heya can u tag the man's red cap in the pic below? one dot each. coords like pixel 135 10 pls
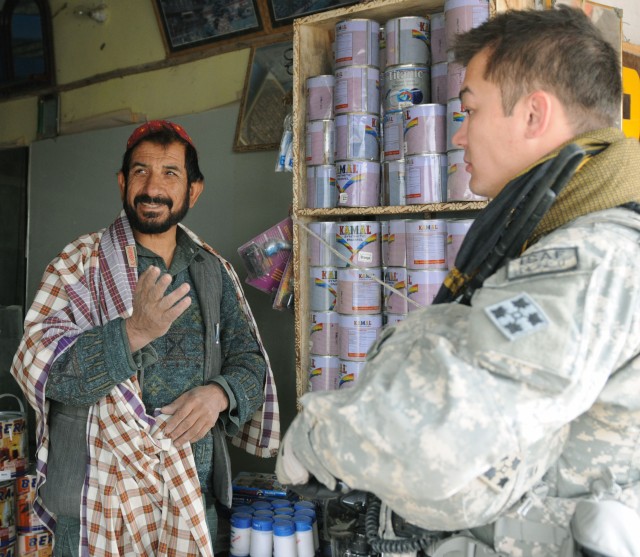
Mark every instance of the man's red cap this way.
pixel 154 126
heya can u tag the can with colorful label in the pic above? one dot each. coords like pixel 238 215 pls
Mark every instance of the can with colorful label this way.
pixel 320 254
pixel 423 286
pixel 321 186
pixel 323 288
pixel 7 513
pixel 458 188
pixel 456 231
pixel 439 92
pixel 397 243
pixel 358 183
pixel 320 142
pixel 324 372
pixel 357 90
pixel 357 335
pixel 356 43
pixel 395 300
pixel 461 16
pixel 393 135
pixel 359 242
pixel 35 544
pixel 320 97
pixel 455 77
pixel 425 129
pixel 426 244
pixel 407 40
pixel 323 335
pixel 349 373
pixel 26 518
pixel 357 136
pixel 426 178
pixel 405 86
pixel 13 441
pixel 359 291
pixel 455 119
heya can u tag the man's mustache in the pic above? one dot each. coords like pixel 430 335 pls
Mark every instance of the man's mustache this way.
pixel 143 198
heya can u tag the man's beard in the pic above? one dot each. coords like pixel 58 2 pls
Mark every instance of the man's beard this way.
pixel 153 225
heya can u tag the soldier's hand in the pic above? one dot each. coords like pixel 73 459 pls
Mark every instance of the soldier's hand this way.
pixel 194 413
pixel 153 311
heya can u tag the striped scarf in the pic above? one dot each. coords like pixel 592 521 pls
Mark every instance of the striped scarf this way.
pixel 141 493
pixel 594 171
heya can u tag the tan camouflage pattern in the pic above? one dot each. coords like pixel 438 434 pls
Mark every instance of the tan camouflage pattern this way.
pixel 479 419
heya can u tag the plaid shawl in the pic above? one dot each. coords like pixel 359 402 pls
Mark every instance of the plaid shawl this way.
pixel 141 494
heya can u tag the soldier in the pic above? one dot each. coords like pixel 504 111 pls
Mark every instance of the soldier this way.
pixel 512 415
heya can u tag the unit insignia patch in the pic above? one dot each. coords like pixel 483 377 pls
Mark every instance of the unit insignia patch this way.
pixel 497 477
pixel 554 260
pixel 517 316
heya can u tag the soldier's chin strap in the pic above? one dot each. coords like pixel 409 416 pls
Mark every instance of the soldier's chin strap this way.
pixel 501 230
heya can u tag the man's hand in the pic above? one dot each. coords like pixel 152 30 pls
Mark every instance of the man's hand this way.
pixel 194 413
pixel 153 312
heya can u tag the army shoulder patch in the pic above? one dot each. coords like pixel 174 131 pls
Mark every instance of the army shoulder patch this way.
pixel 555 260
pixel 517 316
pixel 497 477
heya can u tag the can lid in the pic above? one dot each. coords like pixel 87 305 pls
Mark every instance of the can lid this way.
pixel 284 510
pixel 262 523
pixel 263 512
pixel 241 520
pixel 261 505
pixel 281 516
pixel 306 512
pixel 303 523
pixel 243 509
pixel 280 503
pixel 283 528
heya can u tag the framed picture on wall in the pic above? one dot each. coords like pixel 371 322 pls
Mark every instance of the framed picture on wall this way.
pixel 283 12
pixel 190 24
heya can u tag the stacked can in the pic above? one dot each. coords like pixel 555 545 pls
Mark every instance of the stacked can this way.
pixel 406 85
pixel 459 16
pixel 323 299
pixel 357 112
pixel 456 231
pixel 359 306
pixel 320 142
pixel 34 540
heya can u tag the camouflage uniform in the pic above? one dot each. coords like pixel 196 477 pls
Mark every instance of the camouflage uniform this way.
pixel 507 411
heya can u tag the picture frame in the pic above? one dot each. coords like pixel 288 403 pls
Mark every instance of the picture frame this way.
pixel 266 98
pixel 283 12
pixel 210 22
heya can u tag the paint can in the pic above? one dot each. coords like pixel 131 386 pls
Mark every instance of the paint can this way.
pixel 7 513
pixel 426 178
pixel 456 231
pixel 359 242
pixel 9 550
pixel 425 129
pixel 356 43
pixel 426 244
pixel 356 90
pixel 396 278
pixel 321 186
pixel 320 142
pixel 319 253
pixel 26 518
pixel 455 118
pixel 458 178
pixel 394 189
pixel 323 284
pixel 13 441
pixel 382 50
pixel 397 243
pixel 462 15
pixel 320 97
pixel 359 291
pixel 358 183
pixel 323 373
pixel 455 77
pixel 391 319
pixel 35 544
pixel 357 137
pixel 323 334
pixel 357 334
pixel 349 373
pixel 407 40
pixel 405 86
pixel 438 38
pixel 393 135
pixel 423 286
pixel 384 239
pixel 439 83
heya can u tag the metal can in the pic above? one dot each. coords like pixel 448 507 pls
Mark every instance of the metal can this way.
pixel 359 291
pixel 320 142
pixel 356 43
pixel 323 373
pixel 356 90
pixel 349 373
pixel 357 335
pixel 7 513
pixel 439 92
pixel 456 231
pixel 323 336
pixel 458 178
pixel 426 243
pixel 407 40
pixel 320 97
pixel 321 186
pixel 358 183
pixel 394 300
pixel 393 135
pixel 425 129
pixel 397 243
pixel 455 118
pixel 319 253
pixel 357 136
pixel 423 286
pixel 438 39
pixel 426 178
pixel 455 77
pixel 394 188
pixel 13 441
pixel 461 16
pixel 359 242
pixel 405 86
pixel 323 288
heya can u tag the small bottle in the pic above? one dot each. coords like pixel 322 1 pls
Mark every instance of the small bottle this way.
pixel 240 534
pixel 304 536
pixel 261 536
pixel 312 515
pixel 284 538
